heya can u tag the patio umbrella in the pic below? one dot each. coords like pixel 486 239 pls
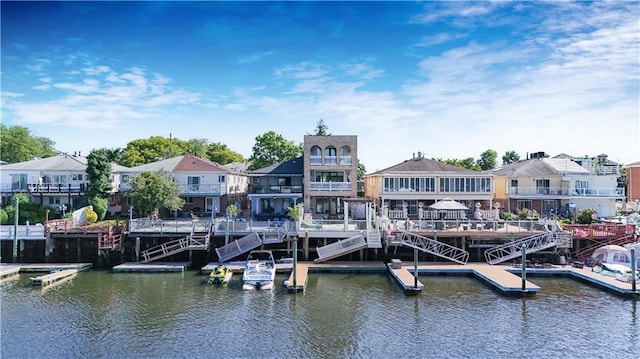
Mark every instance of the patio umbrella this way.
pixel 448 204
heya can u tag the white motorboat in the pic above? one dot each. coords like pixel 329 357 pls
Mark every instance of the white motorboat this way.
pixel 259 271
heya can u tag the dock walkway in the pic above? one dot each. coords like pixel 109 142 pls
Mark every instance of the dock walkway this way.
pixel 405 279
pixel 300 282
pixel 55 277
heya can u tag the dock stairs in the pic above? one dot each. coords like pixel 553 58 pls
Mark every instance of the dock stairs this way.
pixel 535 243
pixel 191 242
pixel 432 246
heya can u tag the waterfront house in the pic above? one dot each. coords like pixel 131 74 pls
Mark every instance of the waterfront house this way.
pixel 275 188
pixel 407 189
pixel 59 181
pixel 330 174
pixel 559 185
pixel 206 186
pixel 633 182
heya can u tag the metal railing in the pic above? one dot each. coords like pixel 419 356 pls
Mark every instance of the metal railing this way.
pixel 513 249
pixel 238 247
pixel 340 248
pixel 432 246
pixel 330 186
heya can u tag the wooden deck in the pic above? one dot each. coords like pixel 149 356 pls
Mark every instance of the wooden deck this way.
pixel 156 267
pixel 55 277
pixel 300 282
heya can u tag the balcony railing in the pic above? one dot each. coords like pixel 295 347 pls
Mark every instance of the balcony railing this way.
pixel 345 161
pixel 315 160
pixel 560 191
pixel 277 189
pixel 48 188
pixel 213 189
pixel 330 186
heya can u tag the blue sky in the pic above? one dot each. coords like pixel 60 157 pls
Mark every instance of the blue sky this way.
pixel 449 79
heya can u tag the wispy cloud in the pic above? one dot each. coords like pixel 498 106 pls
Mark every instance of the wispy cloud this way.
pixel 100 97
pixel 255 57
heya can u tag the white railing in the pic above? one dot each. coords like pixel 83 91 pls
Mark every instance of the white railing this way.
pixel 330 186
pixel 315 160
pixel 24 232
pixel 598 192
pixel 330 160
pixel 432 246
pixel 340 248
pixel 214 188
pixel 538 191
pixel 513 250
pixel 345 161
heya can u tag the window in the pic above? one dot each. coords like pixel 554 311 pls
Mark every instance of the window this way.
pixel 522 204
pixel 221 178
pixel 19 181
pixel 542 186
pixel 329 177
pixel 193 183
pixel 188 200
pixel 315 151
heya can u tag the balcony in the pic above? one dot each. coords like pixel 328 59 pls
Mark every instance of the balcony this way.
pixel 345 161
pixel 330 186
pixel 554 192
pixel 277 189
pixel 315 160
pixel 47 188
pixel 187 189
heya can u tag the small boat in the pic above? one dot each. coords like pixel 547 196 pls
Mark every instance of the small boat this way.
pixel 220 275
pixel 259 271
pixel 618 271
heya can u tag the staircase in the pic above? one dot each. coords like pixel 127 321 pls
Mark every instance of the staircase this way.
pixel 513 249
pixel 192 242
pixel 432 246
pixel 238 247
pixel 373 238
pixel 340 248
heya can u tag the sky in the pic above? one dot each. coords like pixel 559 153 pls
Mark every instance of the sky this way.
pixel 448 79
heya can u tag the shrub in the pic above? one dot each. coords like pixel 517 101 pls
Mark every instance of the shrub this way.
pixel 585 216
pixel 4 217
pixel 507 216
pixel 91 216
pixel 100 206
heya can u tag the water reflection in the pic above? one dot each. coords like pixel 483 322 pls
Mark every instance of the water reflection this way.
pixel 339 316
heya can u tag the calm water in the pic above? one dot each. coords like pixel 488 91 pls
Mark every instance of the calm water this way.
pixel 107 315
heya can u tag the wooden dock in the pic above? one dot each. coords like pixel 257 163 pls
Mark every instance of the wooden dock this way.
pixel 405 279
pixel 49 267
pixel 151 267
pixel 300 282
pixel 55 277
pixel 7 271
pixel 499 277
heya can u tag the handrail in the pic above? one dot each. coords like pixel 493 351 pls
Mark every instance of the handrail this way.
pixel 513 249
pixel 432 246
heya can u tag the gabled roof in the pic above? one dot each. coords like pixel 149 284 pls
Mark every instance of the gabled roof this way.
pixel 294 167
pixel 634 164
pixel 186 163
pixel 540 167
pixel 237 167
pixel 63 162
pixel 424 165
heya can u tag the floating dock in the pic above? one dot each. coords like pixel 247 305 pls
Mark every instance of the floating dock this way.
pixel 499 277
pixel 405 279
pixel 300 282
pixel 151 267
pixel 49 267
pixel 55 277
pixel 7 271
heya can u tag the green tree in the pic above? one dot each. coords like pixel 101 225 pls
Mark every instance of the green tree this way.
pixel 468 163
pixel 28 211
pixel 4 217
pixel 18 145
pixel 198 147
pixel 272 148
pixel 510 157
pixel 220 153
pixel 321 129
pixel 150 191
pixel 585 216
pixel 155 148
pixel 100 206
pixel 361 170
pixel 99 171
pixel 488 160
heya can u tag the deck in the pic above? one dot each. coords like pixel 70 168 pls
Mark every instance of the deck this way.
pixel 156 267
pixel 55 277
pixel 405 279
pixel 298 284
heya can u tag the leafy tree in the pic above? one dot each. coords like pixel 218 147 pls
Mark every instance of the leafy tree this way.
pixel 143 151
pixel 4 217
pixel 18 145
pixel 99 171
pixel 585 216
pixel 272 148
pixel 100 206
pixel 198 147
pixel 510 157
pixel 220 153
pixel 321 129
pixel 361 170
pixel 487 159
pixel 468 163
pixel 150 191
pixel 28 211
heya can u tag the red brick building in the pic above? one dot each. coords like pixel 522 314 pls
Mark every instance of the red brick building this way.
pixel 633 182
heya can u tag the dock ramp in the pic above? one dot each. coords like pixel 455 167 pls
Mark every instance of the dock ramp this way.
pixel 340 248
pixel 194 242
pixel 238 247
pixel 513 250
pixel 432 246
pixel 273 236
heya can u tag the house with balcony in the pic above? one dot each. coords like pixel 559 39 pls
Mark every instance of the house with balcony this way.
pixel 273 189
pixel 206 186
pixel 330 174
pixel 407 189
pixel 558 185
pixel 59 181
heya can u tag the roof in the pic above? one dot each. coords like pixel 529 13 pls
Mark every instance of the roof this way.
pixel 237 167
pixel 62 162
pixel 540 167
pixel 422 164
pixel 291 167
pixel 185 163
pixel 634 164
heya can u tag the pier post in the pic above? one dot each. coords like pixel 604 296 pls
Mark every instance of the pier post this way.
pixel 634 269
pixel 524 267
pixel 295 263
pixel 415 267
pixel 305 245
pixel 16 212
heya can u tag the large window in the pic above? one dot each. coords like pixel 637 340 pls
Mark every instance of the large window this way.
pixel 465 184
pixel 409 184
pixel 193 183
pixel 522 204
pixel 19 181
pixel 328 205
pixel 329 177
